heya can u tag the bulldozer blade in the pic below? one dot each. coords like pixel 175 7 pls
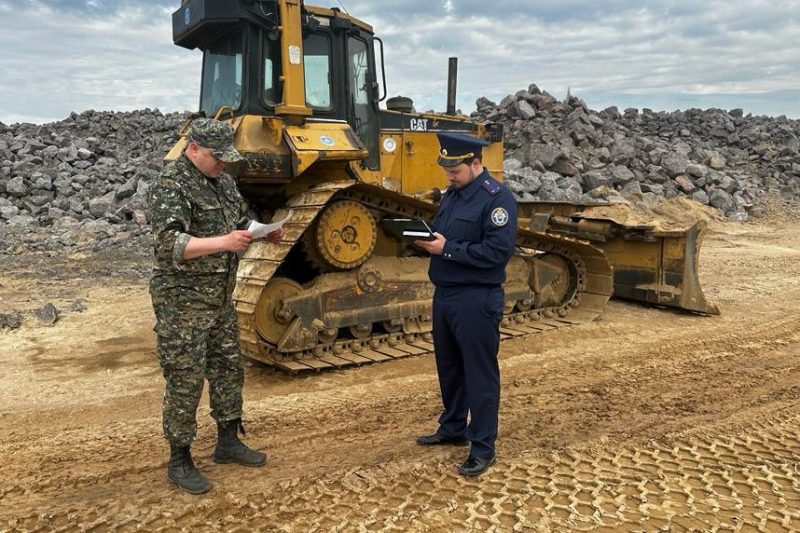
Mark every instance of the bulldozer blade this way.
pixel 659 268
pixel 654 257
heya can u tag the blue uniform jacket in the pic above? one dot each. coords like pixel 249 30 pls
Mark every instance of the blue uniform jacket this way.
pixel 479 223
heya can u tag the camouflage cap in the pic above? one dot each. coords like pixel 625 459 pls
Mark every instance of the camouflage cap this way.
pixel 216 135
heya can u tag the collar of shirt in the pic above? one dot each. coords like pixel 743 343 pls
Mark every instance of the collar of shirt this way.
pixel 195 175
pixel 466 193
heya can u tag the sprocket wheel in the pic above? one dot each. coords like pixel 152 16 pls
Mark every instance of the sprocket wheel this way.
pixel 343 237
pixel 272 316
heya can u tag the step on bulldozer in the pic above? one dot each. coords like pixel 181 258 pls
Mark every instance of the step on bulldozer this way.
pixel 300 86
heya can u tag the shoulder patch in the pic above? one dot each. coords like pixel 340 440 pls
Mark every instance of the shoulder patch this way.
pixel 491 186
pixel 499 217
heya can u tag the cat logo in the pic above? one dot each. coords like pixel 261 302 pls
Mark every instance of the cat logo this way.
pixel 419 124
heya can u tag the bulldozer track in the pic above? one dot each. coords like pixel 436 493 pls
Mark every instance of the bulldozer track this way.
pixel 593 285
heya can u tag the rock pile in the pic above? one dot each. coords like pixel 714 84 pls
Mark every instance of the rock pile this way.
pixel 564 151
pixel 85 178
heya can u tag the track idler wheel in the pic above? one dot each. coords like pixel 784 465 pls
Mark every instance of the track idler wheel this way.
pixel 342 238
pixel 272 314
pixel 551 280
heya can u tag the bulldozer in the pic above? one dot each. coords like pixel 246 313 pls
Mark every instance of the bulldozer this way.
pixel 302 88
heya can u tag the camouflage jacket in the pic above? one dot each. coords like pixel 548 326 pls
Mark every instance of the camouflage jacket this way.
pixel 184 203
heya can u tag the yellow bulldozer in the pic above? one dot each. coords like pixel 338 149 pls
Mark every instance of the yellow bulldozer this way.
pixel 300 86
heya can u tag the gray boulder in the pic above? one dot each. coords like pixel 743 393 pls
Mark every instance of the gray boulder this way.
pixel 22 220
pixel 126 189
pixel 66 222
pixel 46 315
pixel 525 110
pixel 511 166
pixel 716 161
pixel 564 167
pixel 16 186
pixel 622 152
pixel 620 175
pixel 548 184
pixel 546 154
pixel 655 188
pixel 698 171
pixel 700 196
pixel 674 164
pixel 8 212
pixel 531 183
pixel 514 186
pixel 85 154
pixel 594 179
pixel 573 192
pixel 728 184
pixel 100 206
pixel 722 200
pixel 630 188
pixel 10 320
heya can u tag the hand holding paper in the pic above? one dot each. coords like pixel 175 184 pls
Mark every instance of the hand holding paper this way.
pixel 260 231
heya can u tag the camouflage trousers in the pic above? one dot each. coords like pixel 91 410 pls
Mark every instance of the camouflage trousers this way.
pixel 195 345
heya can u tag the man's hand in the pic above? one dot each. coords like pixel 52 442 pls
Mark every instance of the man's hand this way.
pixel 434 247
pixel 238 240
pixel 276 236
pixel 235 241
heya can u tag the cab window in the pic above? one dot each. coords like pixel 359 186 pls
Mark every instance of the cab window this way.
pixel 222 74
pixel 364 114
pixel 317 67
pixel 271 89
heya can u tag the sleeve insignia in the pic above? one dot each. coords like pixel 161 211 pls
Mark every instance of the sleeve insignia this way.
pixel 499 217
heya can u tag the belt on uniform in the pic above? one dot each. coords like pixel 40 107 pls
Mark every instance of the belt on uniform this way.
pixel 456 288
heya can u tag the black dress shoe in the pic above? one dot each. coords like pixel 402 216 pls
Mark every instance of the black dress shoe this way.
pixel 475 466
pixel 438 440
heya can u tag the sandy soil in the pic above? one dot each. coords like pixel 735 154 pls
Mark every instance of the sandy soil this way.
pixel 644 420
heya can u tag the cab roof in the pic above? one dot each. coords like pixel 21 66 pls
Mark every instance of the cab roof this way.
pixel 333 12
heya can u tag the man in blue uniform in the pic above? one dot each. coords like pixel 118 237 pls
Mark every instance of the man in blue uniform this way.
pixel 475 231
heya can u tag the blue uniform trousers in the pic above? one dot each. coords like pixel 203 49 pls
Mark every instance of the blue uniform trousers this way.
pixel 466 337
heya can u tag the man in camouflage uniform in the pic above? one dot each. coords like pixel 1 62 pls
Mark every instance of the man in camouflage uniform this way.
pixel 196 212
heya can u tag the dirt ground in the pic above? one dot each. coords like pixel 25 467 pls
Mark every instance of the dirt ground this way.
pixel 644 420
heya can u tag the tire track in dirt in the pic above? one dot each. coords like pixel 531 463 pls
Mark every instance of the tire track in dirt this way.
pixel 748 480
pixel 407 511
pixel 644 420
pixel 340 415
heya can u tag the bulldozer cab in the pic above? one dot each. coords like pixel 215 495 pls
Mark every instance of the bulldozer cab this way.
pixel 320 66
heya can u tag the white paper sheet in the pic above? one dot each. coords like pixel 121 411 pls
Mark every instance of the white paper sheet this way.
pixel 260 230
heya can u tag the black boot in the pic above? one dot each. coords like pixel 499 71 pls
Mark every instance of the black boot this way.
pixel 182 472
pixel 231 450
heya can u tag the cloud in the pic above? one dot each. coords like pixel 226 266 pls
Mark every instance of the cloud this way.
pixel 670 50
pixel 65 55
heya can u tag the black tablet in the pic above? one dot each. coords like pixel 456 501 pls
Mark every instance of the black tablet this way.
pixel 408 229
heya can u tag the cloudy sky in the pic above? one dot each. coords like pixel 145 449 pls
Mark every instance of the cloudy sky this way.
pixel 60 56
